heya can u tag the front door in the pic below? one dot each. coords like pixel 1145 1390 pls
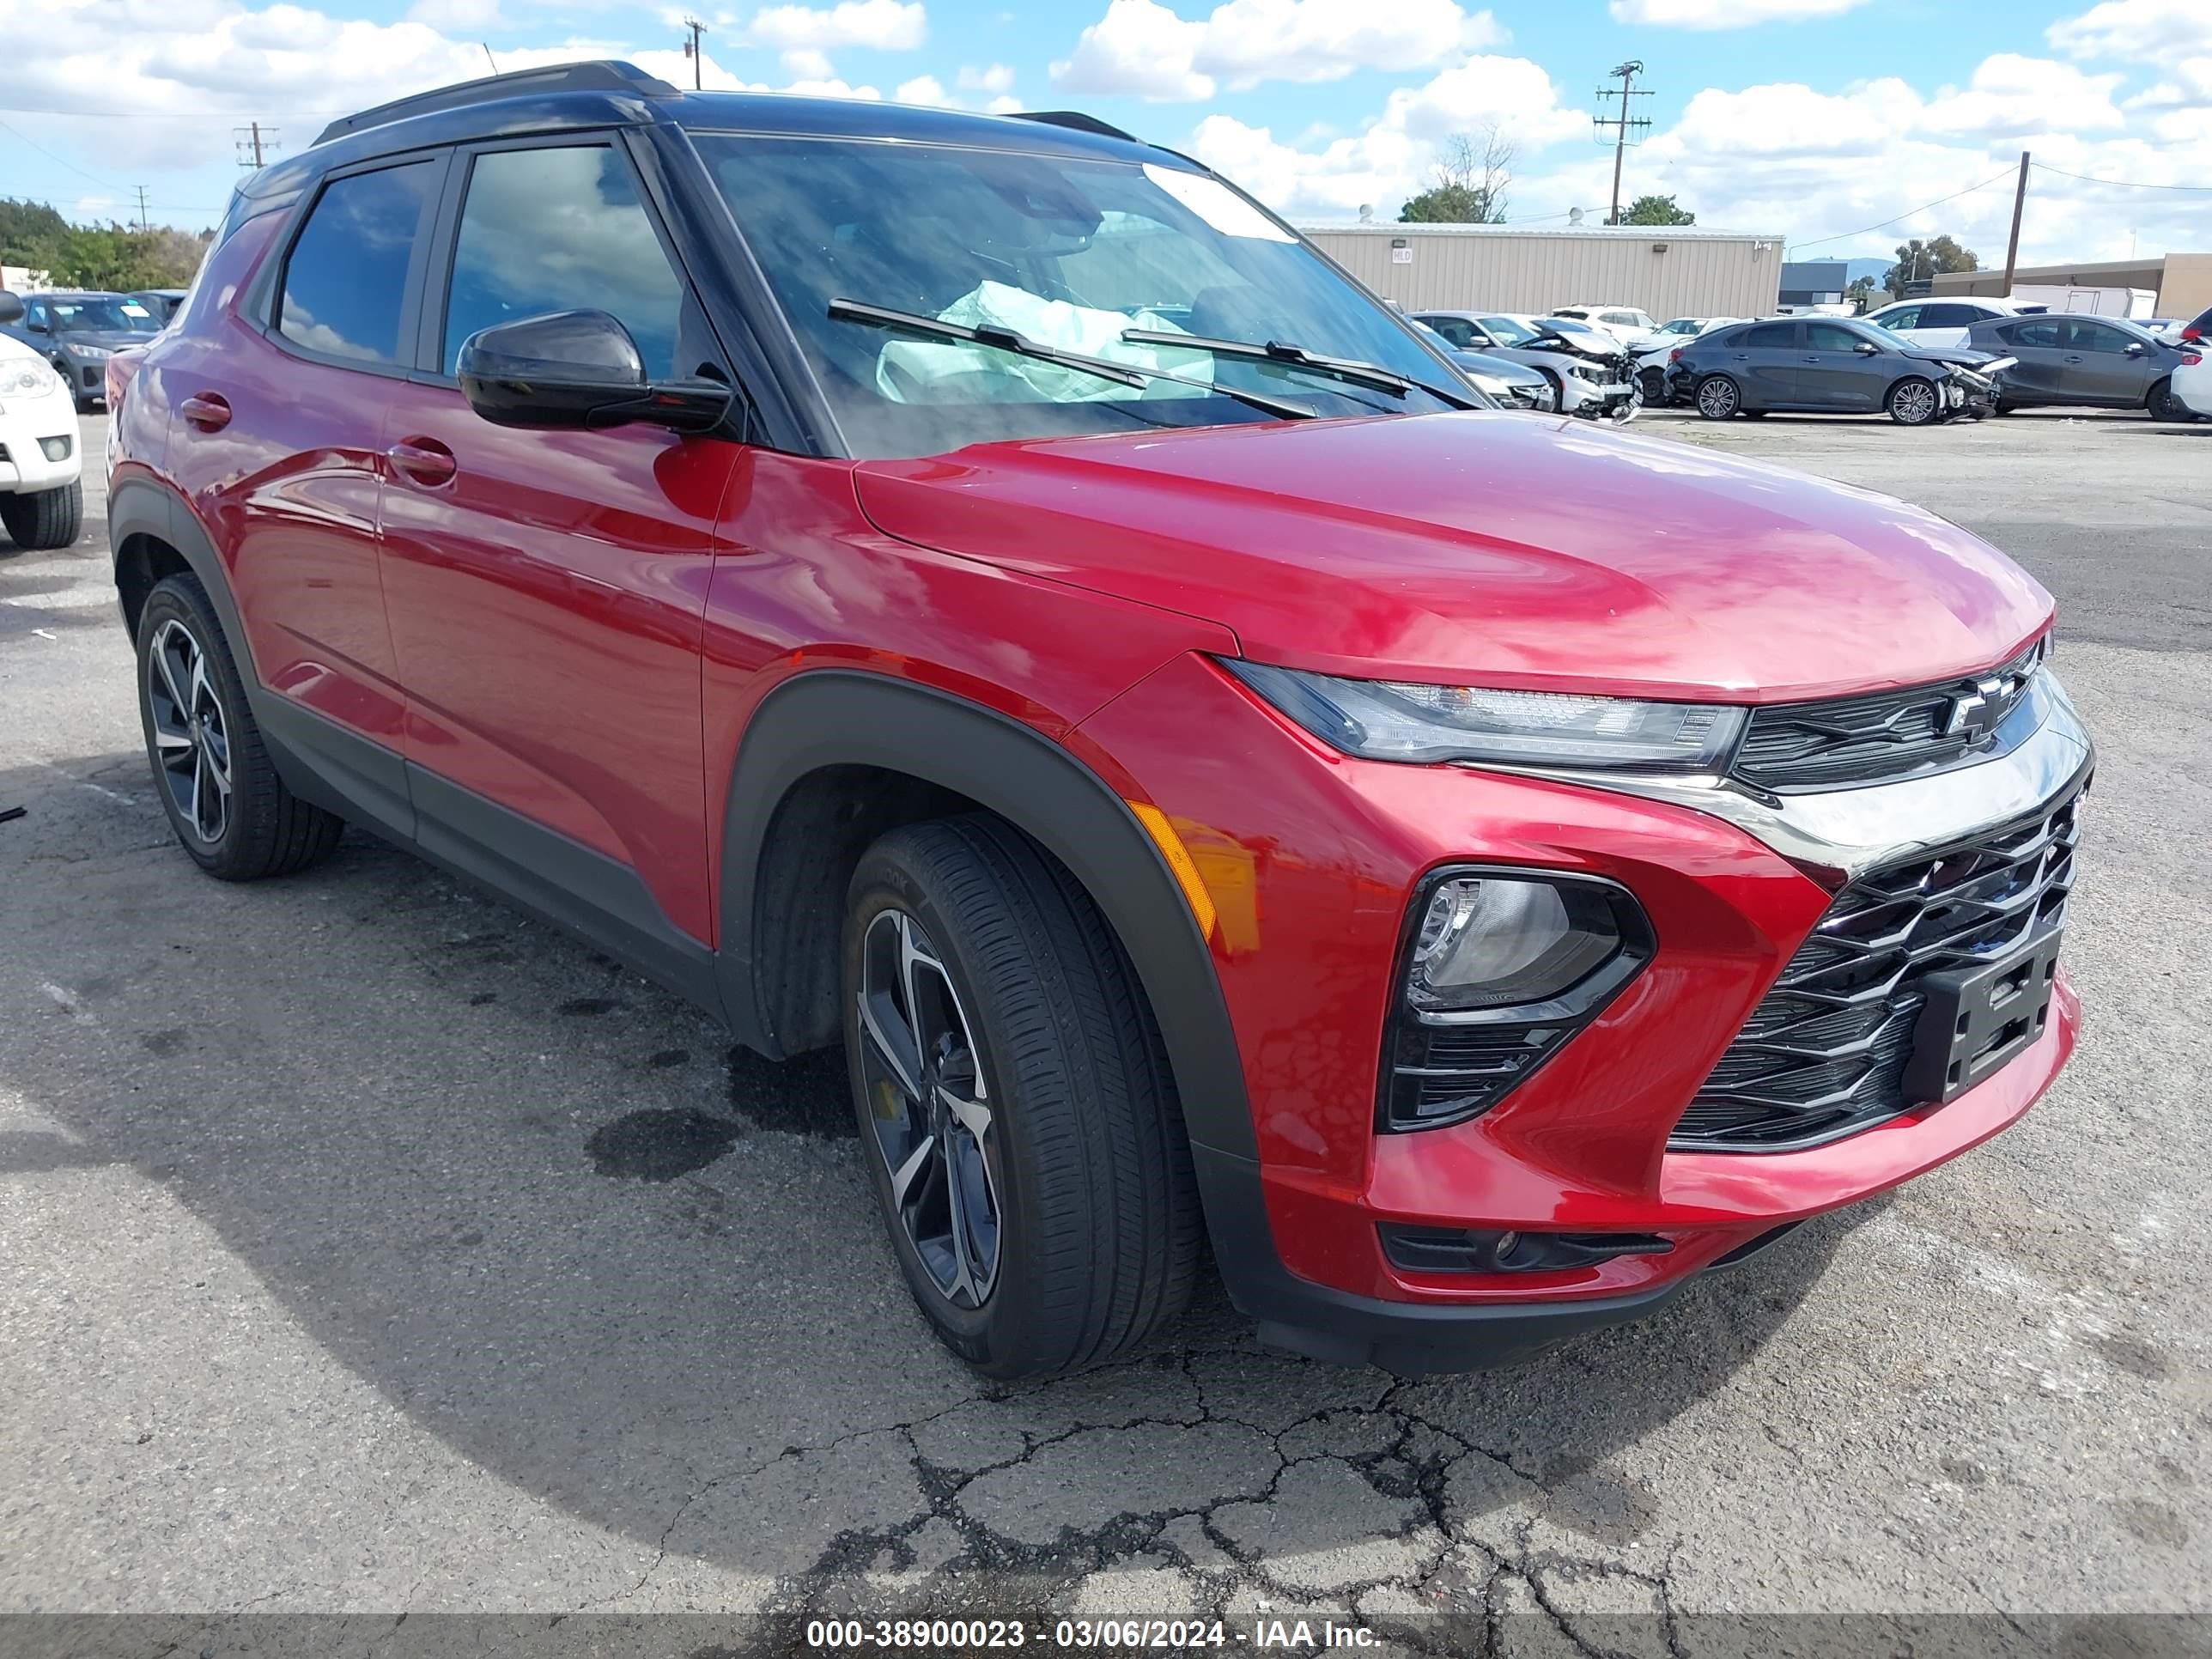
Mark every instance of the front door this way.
pixel 546 589
pixel 2100 367
pixel 1832 372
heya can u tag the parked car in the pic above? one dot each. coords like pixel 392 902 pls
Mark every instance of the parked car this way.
pixel 1830 365
pixel 1587 372
pixel 2196 330
pixel 2161 328
pixel 2192 384
pixel 1651 359
pixel 160 302
pixel 41 501
pixel 706 520
pixel 1509 384
pixel 2083 362
pixel 74 332
pixel 1633 328
pixel 1938 322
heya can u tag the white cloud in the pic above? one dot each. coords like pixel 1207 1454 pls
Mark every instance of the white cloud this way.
pixel 2150 30
pixel 993 77
pixel 807 63
pixel 1393 155
pixel 1141 49
pixel 923 89
pixel 2010 95
pixel 1723 14
pixel 884 25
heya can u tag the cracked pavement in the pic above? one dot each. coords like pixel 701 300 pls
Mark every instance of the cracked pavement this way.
pixel 366 1248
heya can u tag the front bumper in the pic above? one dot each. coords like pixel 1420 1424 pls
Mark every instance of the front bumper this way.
pixel 25 436
pixel 1309 877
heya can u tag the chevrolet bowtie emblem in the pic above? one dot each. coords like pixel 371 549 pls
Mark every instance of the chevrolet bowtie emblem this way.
pixel 1975 714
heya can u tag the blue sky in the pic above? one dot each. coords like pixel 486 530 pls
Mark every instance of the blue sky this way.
pixel 1804 118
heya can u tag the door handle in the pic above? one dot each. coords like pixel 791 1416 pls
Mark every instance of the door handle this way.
pixel 424 461
pixel 2074 359
pixel 204 411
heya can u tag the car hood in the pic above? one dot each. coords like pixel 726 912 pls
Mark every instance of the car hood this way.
pixel 1488 547
pixel 1962 356
pixel 107 339
pixel 1482 362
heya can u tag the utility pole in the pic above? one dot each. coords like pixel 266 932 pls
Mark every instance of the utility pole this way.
pixel 141 209
pixel 691 48
pixel 2019 202
pixel 1622 125
pixel 254 142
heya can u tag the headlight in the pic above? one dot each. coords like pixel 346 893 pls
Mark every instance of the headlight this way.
pixel 1587 372
pixel 1491 385
pixel 27 378
pixel 1395 720
pixel 92 352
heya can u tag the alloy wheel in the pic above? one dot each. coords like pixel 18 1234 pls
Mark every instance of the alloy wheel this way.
pixel 1717 399
pixel 1914 403
pixel 190 740
pixel 930 1109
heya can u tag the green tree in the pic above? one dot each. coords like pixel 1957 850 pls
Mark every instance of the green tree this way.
pixel 30 231
pixel 1861 291
pixel 1916 261
pixel 1469 184
pixel 1656 211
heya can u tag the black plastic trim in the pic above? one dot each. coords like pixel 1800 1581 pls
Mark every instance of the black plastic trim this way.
pixel 839 717
pixel 606 74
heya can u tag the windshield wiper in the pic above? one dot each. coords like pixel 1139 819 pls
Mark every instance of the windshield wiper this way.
pixel 1350 369
pixel 1001 338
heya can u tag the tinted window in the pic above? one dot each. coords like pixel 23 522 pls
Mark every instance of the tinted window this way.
pixel 2038 332
pixel 561 229
pixel 1904 316
pixel 1455 329
pixel 1767 337
pixel 346 282
pixel 1831 337
pixel 2083 335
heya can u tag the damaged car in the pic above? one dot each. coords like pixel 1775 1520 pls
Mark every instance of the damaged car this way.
pixel 1831 366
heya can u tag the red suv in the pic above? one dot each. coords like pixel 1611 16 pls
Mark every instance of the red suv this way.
pixel 984 591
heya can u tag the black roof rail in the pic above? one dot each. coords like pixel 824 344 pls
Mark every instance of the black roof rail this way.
pixel 605 74
pixel 1075 120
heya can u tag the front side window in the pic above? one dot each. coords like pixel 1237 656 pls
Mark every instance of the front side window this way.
pixel 1831 337
pixel 1072 251
pixel 561 228
pixel 2083 335
pixel 345 284
pixel 1458 330
pixel 1508 333
pixel 1902 317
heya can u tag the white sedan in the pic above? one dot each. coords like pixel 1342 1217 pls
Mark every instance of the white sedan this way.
pixel 41 501
pixel 2192 383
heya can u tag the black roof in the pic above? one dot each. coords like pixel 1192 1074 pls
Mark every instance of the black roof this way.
pixel 609 92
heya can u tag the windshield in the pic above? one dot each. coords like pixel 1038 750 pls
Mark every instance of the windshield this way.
pixel 1071 252
pixel 1506 331
pixel 86 313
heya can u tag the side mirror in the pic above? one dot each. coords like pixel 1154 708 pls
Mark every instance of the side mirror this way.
pixel 1867 348
pixel 11 309
pixel 2137 347
pixel 572 370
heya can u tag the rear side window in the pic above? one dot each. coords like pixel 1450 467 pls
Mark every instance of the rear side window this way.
pixel 2042 332
pixel 1949 316
pixel 561 228
pixel 345 284
pixel 1767 337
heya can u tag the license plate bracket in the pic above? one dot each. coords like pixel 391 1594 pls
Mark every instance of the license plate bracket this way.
pixel 1976 1020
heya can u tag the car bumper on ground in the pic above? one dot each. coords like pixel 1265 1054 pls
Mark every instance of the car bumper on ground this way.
pixel 1309 920
pixel 39 455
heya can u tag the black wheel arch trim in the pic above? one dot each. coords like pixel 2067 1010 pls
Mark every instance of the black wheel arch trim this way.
pixel 830 717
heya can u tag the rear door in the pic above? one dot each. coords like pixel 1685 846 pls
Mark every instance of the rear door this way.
pixel 278 441
pixel 1945 323
pixel 2038 343
pixel 2099 367
pixel 1763 358
pixel 546 589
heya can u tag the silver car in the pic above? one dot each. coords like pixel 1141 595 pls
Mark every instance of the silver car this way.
pixel 1590 372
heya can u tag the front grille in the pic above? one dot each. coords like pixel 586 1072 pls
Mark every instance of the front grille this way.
pixel 1824 1053
pixel 1883 735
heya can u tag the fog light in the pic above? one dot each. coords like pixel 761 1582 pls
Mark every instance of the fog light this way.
pixel 57 449
pixel 1488 941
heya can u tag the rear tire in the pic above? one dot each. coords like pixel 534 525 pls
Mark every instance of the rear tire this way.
pixel 1014 1101
pixel 1718 398
pixel 214 775
pixel 1914 402
pixel 2165 406
pixel 45 518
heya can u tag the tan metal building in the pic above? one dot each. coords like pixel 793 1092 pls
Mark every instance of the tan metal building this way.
pixel 2182 282
pixel 1662 270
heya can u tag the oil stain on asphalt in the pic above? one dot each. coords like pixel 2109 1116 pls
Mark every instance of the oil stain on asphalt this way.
pixel 660 1144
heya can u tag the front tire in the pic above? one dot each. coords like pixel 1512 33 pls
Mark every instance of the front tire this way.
pixel 1718 398
pixel 216 780
pixel 1014 1102
pixel 1914 402
pixel 45 518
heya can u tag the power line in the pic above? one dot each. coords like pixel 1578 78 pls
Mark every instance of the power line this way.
pixel 2124 184
pixel 159 114
pixel 1821 241
pixel 105 184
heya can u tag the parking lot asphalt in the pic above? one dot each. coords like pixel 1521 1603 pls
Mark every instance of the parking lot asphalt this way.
pixel 365 1247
